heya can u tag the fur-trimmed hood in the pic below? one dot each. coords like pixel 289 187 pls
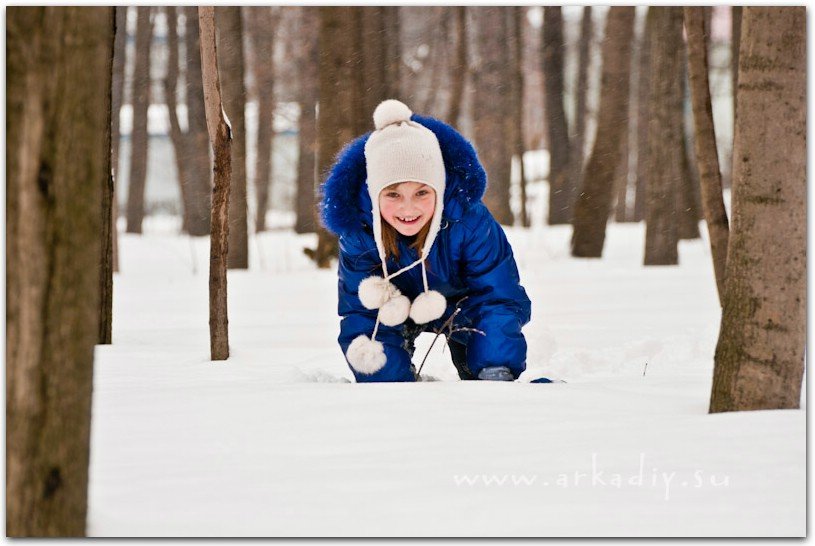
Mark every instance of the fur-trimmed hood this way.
pixel 345 204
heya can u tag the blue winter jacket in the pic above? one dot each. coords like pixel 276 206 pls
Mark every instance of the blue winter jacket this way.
pixel 471 257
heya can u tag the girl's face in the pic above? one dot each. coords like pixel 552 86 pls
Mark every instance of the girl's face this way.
pixel 407 206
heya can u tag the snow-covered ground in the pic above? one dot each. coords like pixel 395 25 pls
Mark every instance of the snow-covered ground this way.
pixel 278 440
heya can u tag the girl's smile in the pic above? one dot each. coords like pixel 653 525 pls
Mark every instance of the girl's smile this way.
pixel 407 206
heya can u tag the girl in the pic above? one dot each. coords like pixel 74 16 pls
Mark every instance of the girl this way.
pixel 417 247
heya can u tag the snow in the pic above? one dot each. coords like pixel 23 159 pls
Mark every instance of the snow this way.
pixel 278 440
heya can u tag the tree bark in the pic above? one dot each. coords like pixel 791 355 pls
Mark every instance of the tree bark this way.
pixel 117 98
pixel 107 229
pixel 561 189
pixel 177 137
pixel 393 58
pixel 576 148
pixel 197 140
pixel 664 138
pixel 460 69
pixel 491 110
pixel 593 204
pixel 138 134
pixel 688 201
pixel 220 135
pixel 706 153
pixel 517 16
pixel 231 64
pixel 58 160
pixel 309 59
pixel 262 23
pixel 759 361
pixel 643 103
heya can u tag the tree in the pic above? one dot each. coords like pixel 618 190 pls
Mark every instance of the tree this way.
pixel 516 16
pixel 561 189
pixel 706 154
pixel 117 98
pixel 177 136
pixel 262 26
pixel 308 78
pixel 140 99
pixel 759 360
pixel 643 101
pixel 231 65
pixel 578 139
pixel 197 137
pixel 58 121
pixel 664 137
pixel 491 110
pixel 460 69
pixel 593 204
pixel 220 134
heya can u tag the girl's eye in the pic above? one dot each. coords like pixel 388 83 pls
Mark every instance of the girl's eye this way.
pixel 422 193
pixel 392 195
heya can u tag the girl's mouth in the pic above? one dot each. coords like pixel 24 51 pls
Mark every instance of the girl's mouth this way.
pixel 408 219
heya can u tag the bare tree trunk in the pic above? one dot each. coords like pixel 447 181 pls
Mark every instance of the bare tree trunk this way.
pixel 176 135
pixel 491 109
pixel 688 203
pixel 197 140
pixel 58 107
pixel 138 134
pixel 393 58
pixel 664 138
pixel 759 362
pixel 230 38
pixel 561 188
pixel 643 103
pixel 579 130
pixel 373 34
pixel 461 67
pixel 517 16
pixel 706 155
pixel 117 98
pixel 309 59
pixel 593 205
pixel 262 23
pixel 340 117
pixel 220 135
pixel 735 40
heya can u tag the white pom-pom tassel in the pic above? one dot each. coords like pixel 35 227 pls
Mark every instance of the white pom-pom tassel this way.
pixel 390 111
pixel 375 291
pixel 427 307
pixel 394 311
pixel 366 355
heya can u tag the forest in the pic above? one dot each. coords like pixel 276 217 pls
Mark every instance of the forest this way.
pixel 165 171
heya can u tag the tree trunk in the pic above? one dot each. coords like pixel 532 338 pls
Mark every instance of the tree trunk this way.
pixel 340 116
pixel 643 102
pixel 197 140
pixel 664 138
pixel 593 204
pixel 491 110
pixel 759 361
pixel 220 135
pixel 517 16
pixel 177 137
pixel 689 206
pixel 58 161
pixel 117 98
pixel 576 148
pixel 309 59
pixel 706 154
pixel 460 69
pixel 393 58
pixel 230 38
pixel 138 134
pixel 561 188
pixel 262 22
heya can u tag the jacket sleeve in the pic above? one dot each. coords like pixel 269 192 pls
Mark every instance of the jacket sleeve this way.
pixel 357 262
pixel 497 304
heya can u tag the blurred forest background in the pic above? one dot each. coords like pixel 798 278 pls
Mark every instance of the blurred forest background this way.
pixel 460 64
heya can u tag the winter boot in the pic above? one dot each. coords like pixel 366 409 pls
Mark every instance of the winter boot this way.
pixel 496 373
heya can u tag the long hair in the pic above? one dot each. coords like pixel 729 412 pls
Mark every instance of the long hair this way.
pixel 390 239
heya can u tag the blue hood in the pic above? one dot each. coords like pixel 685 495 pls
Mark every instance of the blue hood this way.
pixel 345 205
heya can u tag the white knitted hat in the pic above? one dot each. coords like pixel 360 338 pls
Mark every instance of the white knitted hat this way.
pixel 399 150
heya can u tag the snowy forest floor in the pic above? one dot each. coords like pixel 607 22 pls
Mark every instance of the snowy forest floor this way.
pixel 279 441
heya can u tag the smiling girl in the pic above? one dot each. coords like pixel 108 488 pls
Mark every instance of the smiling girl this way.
pixel 419 251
